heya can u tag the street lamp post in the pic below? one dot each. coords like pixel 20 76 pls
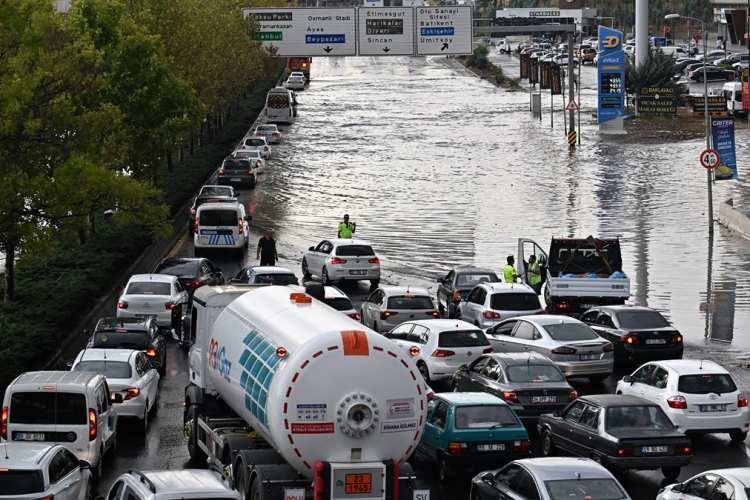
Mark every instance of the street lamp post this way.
pixel 707 119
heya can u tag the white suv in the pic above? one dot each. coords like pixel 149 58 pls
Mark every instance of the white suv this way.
pixel 172 485
pixel 158 295
pixel 342 259
pixel 46 471
pixel 699 396
pixel 489 303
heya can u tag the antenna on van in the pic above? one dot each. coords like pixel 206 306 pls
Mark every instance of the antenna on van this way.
pixel 700 367
pixel 5 449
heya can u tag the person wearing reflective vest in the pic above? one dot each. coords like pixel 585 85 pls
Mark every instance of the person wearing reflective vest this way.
pixel 509 271
pixel 535 274
pixel 346 228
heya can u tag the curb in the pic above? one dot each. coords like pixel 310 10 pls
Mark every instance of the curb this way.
pixel 734 219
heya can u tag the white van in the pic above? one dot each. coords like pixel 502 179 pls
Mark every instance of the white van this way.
pixel 221 226
pixel 72 408
pixel 732 92
pixel 279 106
pixel 674 51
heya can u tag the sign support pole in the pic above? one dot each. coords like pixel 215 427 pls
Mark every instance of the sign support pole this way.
pixel 571 83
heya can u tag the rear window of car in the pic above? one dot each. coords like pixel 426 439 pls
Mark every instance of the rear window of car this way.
pixel 584 489
pixel 48 408
pixel 410 302
pixel 485 416
pixel 641 417
pixel 179 268
pixel 138 341
pixel 110 369
pixel 636 320
pixel 514 301
pixel 149 288
pixel 534 373
pixel 354 250
pixel 218 218
pixel 469 280
pixel 215 191
pixel 565 332
pixel 21 482
pixel 277 279
pixel 340 303
pixel 236 164
pixel 255 142
pixel 705 383
pixel 462 338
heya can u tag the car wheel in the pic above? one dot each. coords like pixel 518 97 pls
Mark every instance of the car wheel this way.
pixel 548 447
pixel 422 367
pixel 671 473
pixel 738 436
pixel 324 277
pixel 305 270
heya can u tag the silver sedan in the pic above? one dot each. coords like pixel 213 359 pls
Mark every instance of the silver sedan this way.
pixel 389 306
pixel 571 344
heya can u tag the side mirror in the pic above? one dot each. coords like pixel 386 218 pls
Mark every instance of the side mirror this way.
pixel 487 477
pixel 69 364
pixel 627 379
pixel 557 413
pixel 116 398
pixel 83 464
pixel 312 249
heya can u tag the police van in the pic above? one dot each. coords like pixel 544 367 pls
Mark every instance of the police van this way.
pixel 221 226
pixel 280 104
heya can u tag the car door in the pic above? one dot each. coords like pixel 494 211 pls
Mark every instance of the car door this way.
pixel 523 338
pixel 147 377
pixel 527 248
pixel 322 253
pixel 432 436
pixel 562 430
pixel 586 431
pixel 606 328
pixel 314 258
pixel 472 308
pixel 400 334
pixel 445 290
pixel 370 306
pixel 65 476
pixel 499 335
pixel 107 422
pixel 466 377
pixel 512 482
pixel 641 379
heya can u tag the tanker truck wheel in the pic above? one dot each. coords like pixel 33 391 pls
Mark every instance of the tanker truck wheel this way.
pixel 256 491
pixel 197 456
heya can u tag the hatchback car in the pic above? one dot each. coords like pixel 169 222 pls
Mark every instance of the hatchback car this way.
pixel 548 478
pixel 259 143
pixel 638 333
pixel 44 471
pixel 698 396
pixel 210 194
pixel 238 172
pixel 489 303
pixel 462 280
pixel 620 432
pixel 440 346
pixel 131 379
pixel 470 430
pixel 266 275
pixel 342 260
pixel 270 132
pixel 569 343
pixel 142 335
pixel 187 484
pixel 192 272
pixel 158 295
pixel 529 382
pixel 717 484
pixel 389 306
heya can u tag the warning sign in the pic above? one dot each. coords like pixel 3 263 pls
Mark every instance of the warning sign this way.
pixel 572 106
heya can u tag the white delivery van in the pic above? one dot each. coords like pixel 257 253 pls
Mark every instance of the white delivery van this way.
pixel 732 92
pixel 279 106
pixel 73 408
pixel 221 226
pixel 674 51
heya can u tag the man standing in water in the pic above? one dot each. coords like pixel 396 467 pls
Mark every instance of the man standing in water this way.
pixel 267 250
pixel 346 228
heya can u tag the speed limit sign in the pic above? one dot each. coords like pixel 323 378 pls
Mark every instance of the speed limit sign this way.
pixel 710 159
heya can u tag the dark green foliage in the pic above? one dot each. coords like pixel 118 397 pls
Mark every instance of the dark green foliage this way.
pixel 658 71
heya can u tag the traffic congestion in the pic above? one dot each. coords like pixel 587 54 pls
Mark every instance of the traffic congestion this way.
pixel 535 377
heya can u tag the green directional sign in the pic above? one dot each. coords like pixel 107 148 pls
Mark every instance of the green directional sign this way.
pixel 266 36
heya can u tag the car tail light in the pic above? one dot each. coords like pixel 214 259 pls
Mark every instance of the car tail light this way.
pixel 573 395
pixel 488 350
pixel 434 314
pixel 122 304
pixel 677 339
pixel 562 306
pixel 511 396
pixel 624 452
pixel 221 171
pixel 131 392
pixel 684 450
pixel 4 424
pixel 355 316
pixel 48 497
pixel 387 314
pixel 742 401
pixel 169 306
pixel 240 226
pixel 151 352
pixel 608 347
pixel 491 315
pixel 564 350
pixel 276 134
pixel 522 446
pixel 92 424
pixel 442 353
pixel 630 340
pixel 373 260
pixel 195 283
pixel 677 402
pixel 337 260
pixel 457 448
pixel 414 351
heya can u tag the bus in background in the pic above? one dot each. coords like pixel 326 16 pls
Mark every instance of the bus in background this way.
pixel 280 104
pixel 299 64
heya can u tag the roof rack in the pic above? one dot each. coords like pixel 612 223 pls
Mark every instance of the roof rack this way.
pixel 142 478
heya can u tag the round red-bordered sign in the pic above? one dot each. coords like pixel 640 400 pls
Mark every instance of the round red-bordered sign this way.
pixel 710 159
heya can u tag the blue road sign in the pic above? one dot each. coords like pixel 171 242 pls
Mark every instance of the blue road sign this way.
pixel 611 75
pixel 325 38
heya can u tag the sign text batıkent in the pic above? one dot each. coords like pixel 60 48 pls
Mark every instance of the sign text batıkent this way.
pixel 306 32
pixel 385 31
pixel 443 30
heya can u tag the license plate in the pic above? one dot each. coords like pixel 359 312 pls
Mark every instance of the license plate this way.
pixel 588 356
pixel 656 341
pixel 355 484
pixel 30 436
pixel 491 447
pixel 358 272
pixel 654 449
pixel 710 408
pixel 235 179
pixel 544 399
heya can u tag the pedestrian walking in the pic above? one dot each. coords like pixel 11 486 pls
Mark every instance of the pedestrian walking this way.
pixel 535 274
pixel 509 270
pixel 267 250
pixel 346 228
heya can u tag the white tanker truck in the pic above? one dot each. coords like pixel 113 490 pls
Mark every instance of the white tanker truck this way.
pixel 300 400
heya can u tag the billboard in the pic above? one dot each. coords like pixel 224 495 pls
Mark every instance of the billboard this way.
pixel 722 133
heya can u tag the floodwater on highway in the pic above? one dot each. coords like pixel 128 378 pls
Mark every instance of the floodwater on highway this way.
pixel 439 168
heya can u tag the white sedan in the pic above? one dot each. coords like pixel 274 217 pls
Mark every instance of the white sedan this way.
pixel 342 259
pixel 259 143
pixel 159 295
pixel 132 381
pixel 718 484
pixel 270 132
pixel 295 83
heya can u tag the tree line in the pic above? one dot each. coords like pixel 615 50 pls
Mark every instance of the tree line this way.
pixel 96 104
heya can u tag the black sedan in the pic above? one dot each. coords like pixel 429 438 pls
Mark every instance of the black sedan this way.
pixel 638 333
pixel 137 334
pixel 192 272
pixel 620 432
pixel 713 73
pixel 462 280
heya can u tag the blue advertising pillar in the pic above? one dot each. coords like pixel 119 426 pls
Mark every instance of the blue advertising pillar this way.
pixel 611 82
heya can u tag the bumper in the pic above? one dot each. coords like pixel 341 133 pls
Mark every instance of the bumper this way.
pixel 586 368
pixel 634 354
pixel 440 370
pixel 162 318
pixel 239 244
pixel 702 423
pixel 344 274
pixel 132 408
pixel 647 463
pixel 240 180
pixel 483 461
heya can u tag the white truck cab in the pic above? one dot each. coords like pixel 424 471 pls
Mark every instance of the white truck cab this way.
pixel 732 92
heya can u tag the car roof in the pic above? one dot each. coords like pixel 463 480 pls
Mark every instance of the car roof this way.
pixel 692 366
pixel 548 319
pixel 608 400
pixel 470 398
pixel 270 270
pixel 403 290
pixel 56 377
pixel 186 481
pixel 222 205
pixel 100 354
pixel 130 324
pixel 520 358
pixel 473 269
pixel 18 455
pixel 443 325
pixel 741 474
pixel 507 287
pixel 561 468
pixel 340 242
pixel 170 261
pixel 159 278
pixel 624 308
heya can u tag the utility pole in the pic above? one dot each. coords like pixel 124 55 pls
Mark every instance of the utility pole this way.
pixel 571 83
pixel 641 32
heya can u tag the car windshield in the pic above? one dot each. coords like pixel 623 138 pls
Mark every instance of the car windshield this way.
pixel 276 279
pixel 462 338
pixel 534 373
pixel 354 251
pixel 267 129
pixel 584 489
pixel 235 164
pixel 218 218
pixel 340 303
pixel 410 302
pixel 641 417
pixel 48 408
pixel 566 332
pixel 20 482
pixel 216 191
pixel 110 369
pixel 482 417
pixel 149 288
pixel 255 142
pixel 138 341
pixel 189 268
pixel 706 383
pixel 514 302
pixel 637 320
pixel 470 280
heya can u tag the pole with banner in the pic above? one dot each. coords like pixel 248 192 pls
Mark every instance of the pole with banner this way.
pixel 722 133
pixel 611 82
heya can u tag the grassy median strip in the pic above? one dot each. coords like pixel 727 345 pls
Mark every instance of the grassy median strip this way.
pixel 482 67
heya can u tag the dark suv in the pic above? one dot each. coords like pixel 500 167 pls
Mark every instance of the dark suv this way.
pixel 237 172
pixel 192 272
pixel 136 333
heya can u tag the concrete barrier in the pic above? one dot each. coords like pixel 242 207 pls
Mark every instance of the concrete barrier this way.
pixel 734 219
